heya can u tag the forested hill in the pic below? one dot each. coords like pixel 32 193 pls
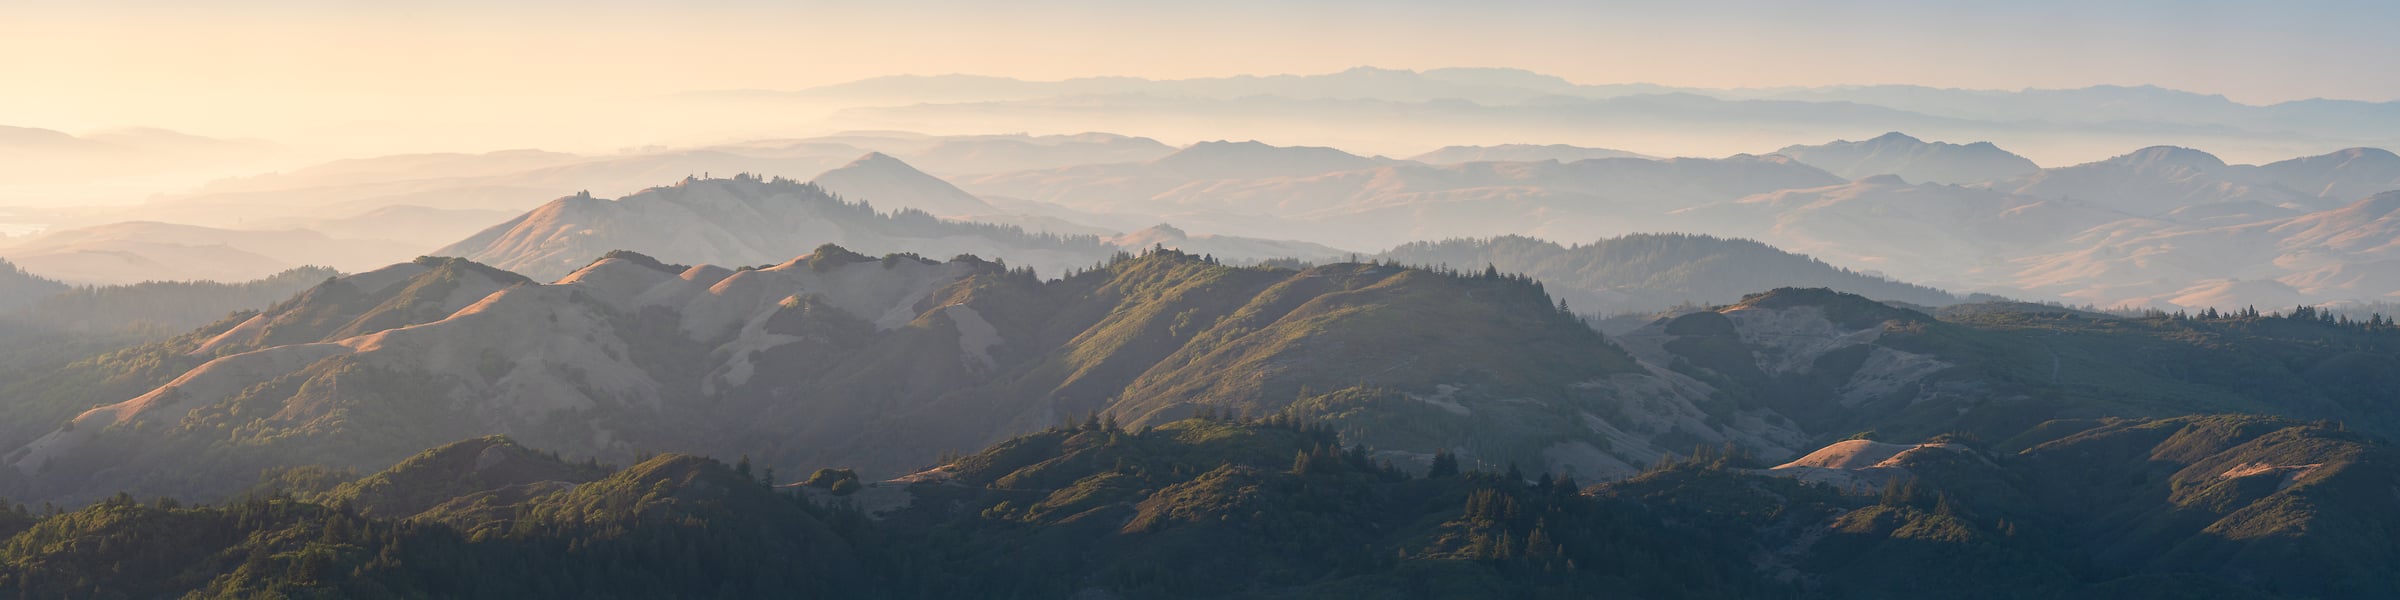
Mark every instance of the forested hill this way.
pixel 1220 507
pixel 18 287
pixel 173 306
pixel 1646 272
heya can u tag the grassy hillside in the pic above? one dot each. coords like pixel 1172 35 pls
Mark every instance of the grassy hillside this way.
pixel 825 360
pixel 82 347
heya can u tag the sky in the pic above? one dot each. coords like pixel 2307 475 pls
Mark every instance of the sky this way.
pixel 279 69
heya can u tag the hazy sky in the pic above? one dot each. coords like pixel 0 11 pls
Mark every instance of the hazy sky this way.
pixel 235 67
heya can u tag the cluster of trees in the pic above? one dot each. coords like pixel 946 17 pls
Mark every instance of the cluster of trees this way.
pixel 622 545
pixel 839 482
pixel 18 287
pixel 2374 320
pixel 156 308
pixel 1334 523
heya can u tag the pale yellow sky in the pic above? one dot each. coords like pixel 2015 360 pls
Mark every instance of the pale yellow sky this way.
pixel 340 78
pixel 275 68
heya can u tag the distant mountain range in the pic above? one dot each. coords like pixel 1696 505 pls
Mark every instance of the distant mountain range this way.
pixel 1501 86
pixel 1379 109
pixel 1451 155
pixel 2164 226
pixel 2158 227
pixel 134 252
pixel 966 154
pixel 2010 232
pixel 1252 189
pixel 2157 181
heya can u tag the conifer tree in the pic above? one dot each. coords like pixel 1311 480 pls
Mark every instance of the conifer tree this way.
pixel 1445 464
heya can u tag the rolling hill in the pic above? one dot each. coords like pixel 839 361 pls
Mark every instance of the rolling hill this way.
pixel 1840 364
pixel 1912 159
pixel 1957 237
pixel 879 178
pixel 877 363
pixel 1647 272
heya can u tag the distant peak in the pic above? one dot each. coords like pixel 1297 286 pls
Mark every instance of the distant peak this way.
pixel 1896 137
pixel 644 260
pixel 1229 145
pixel 1160 234
pixel 1886 180
pixel 879 159
pixel 2367 153
pixel 833 251
pixel 2171 155
pixel 453 263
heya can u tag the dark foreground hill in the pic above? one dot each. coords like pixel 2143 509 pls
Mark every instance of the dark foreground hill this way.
pixel 2213 507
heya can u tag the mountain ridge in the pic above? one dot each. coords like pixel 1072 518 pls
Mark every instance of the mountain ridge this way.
pixel 876 362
